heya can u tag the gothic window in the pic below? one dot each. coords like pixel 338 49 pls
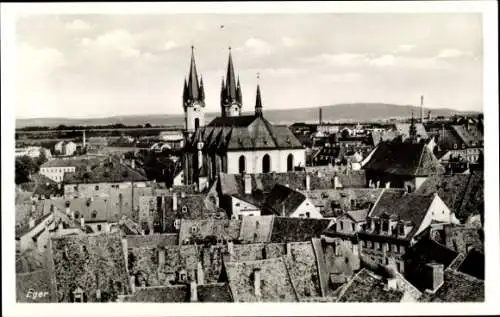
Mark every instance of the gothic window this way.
pixel 241 164
pixel 266 164
pixel 289 163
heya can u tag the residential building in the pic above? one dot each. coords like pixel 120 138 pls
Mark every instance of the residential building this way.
pixel 395 222
pixel 401 165
pixel 34 234
pixel 32 151
pixel 56 168
pixel 286 202
pixel 98 268
pixel 65 148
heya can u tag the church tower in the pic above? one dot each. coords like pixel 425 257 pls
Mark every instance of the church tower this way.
pixel 193 99
pixel 231 98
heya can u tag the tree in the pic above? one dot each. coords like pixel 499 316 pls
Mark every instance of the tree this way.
pixel 25 167
pixel 147 125
pixel 42 158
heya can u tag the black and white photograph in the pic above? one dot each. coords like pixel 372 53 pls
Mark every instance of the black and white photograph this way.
pixel 224 155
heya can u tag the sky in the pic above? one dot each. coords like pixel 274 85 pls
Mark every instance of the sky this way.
pixel 81 66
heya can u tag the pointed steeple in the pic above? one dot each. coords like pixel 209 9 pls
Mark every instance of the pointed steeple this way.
pixel 202 89
pixel 230 79
pixel 239 96
pixel 185 95
pixel 193 85
pixel 258 101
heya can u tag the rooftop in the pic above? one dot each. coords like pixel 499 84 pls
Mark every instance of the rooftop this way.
pixel 403 159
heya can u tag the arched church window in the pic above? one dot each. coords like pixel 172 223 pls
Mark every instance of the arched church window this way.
pixel 266 164
pixel 196 123
pixel 289 163
pixel 241 164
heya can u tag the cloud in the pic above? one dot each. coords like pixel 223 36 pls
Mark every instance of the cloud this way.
pixel 452 53
pixel 169 45
pixel 289 41
pixel 404 48
pixel 39 61
pixel 78 25
pixel 338 78
pixel 384 60
pixel 111 43
pixel 258 46
pixel 342 59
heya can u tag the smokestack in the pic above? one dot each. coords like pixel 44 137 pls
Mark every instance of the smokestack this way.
pixel 194 291
pixel 320 116
pixel 83 139
pixel 308 182
pixel 421 109
pixel 248 184
pixel 256 282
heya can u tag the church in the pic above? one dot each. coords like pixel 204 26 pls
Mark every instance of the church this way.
pixel 232 143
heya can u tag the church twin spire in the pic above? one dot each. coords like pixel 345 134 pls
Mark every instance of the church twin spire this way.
pixel 231 95
pixel 193 89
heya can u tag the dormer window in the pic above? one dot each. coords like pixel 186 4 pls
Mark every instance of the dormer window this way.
pixel 401 230
pixel 78 295
pixel 194 229
pixel 385 225
pixel 184 209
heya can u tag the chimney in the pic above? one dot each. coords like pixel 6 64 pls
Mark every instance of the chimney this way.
pixel 283 211
pixel 194 291
pixel 433 276
pixel 248 184
pixel 67 210
pixel 82 222
pixel 308 182
pixel 161 257
pixel 174 202
pixel 33 208
pixel 132 284
pixel 336 183
pixel 355 249
pixel 230 250
pixel 132 163
pixel 31 222
pixel 183 195
pixel 256 282
pixel 60 227
pixel 392 283
pixel 200 275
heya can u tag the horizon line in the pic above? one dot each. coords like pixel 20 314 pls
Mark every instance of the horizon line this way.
pixel 285 109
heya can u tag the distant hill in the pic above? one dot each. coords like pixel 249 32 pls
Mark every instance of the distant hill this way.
pixel 357 112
